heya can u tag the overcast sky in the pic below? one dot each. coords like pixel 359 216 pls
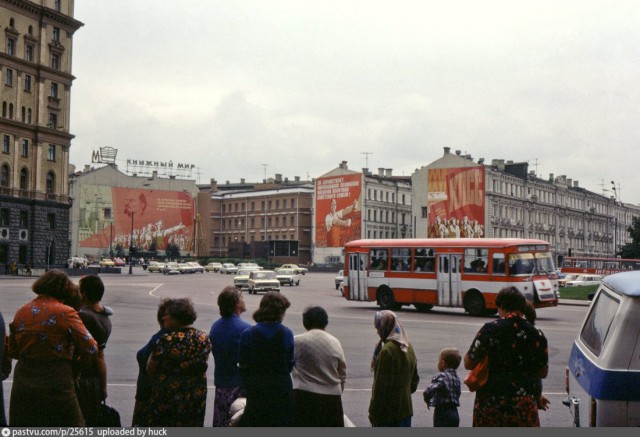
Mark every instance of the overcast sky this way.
pixel 247 88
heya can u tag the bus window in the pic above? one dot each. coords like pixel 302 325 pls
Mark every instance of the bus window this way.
pixel 567 262
pixel 521 264
pixel 544 262
pixel 401 259
pixel 424 260
pixel 378 259
pixel 580 264
pixel 476 260
pixel 499 267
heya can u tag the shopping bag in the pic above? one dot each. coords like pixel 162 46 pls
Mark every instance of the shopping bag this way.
pixel 478 376
pixel 107 416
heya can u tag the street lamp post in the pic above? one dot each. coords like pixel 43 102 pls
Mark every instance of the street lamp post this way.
pixel 131 245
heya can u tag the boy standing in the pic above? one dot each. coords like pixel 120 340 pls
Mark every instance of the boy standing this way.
pixel 444 392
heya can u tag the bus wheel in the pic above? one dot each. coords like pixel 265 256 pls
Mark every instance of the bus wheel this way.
pixel 387 301
pixel 474 304
pixel 423 307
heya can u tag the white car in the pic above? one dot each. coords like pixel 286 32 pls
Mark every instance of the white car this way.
pixel 171 268
pixel 584 280
pixel 228 268
pixel 562 282
pixel 213 267
pixel 262 280
pixel 288 277
pixel 339 279
pixel 155 266
pixel 197 268
pixel 185 268
pixel 241 279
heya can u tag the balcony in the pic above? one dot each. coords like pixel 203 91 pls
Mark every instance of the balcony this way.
pixel 35 195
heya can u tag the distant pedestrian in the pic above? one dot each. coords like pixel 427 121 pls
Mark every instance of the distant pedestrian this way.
pixel 395 374
pixel 444 391
pixel 225 341
pixel 6 370
pixel 319 373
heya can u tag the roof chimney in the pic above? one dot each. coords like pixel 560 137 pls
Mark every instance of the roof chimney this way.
pixel 388 172
pixel 458 152
pixel 447 150
pixel 380 171
pixel 343 165
pixel 214 185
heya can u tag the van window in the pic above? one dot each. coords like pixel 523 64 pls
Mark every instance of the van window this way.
pixel 596 327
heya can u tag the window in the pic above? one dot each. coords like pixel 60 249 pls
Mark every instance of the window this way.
pixel 24 179
pixel 284 204
pixel 6 143
pixel 401 259
pixel 56 34
pixel 24 219
pixel 378 258
pixel 25 148
pixel 8 77
pixel 4 176
pixel 4 109
pixel 55 61
pixel 4 217
pixel 476 260
pixel 24 114
pixel 596 328
pixel 28 53
pixel 57 5
pixel 54 90
pixel 27 82
pixel 22 254
pixel 11 46
pixel 424 260
pixel 107 213
pixel 51 182
pixel 51 221
pixel 53 121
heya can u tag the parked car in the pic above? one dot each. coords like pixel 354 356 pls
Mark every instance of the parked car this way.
pixel 197 268
pixel 241 279
pixel 263 280
pixel 249 266
pixel 604 362
pixel 185 268
pixel 155 266
pixel 299 270
pixel 119 262
pixel 171 268
pixel 213 267
pixel 567 277
pixel 228 268
pixel 584 280
pixel 77 262
pixel 106 262
pixel 288 276
pixel 339 279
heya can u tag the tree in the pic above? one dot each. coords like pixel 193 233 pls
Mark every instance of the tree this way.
pixel 632 250
pixel 173 251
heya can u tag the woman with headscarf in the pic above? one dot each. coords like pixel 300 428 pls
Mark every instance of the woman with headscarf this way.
pixel 395 374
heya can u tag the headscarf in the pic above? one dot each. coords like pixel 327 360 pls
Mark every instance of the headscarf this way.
pixel 389 329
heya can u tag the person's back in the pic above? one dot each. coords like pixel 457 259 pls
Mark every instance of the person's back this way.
pixel 92 382
pixel 225 342
pixel 444 391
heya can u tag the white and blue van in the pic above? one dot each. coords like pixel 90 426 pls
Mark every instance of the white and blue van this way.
pixel 603 374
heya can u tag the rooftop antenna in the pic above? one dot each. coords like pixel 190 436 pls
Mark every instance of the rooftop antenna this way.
pixel 604 190
pixel 198 173
pixel 366 158
pixel 265 170
pixel 536 165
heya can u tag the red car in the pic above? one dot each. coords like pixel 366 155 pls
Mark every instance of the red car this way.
pixel 119 262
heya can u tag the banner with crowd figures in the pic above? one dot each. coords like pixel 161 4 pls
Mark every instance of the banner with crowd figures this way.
pixel 456 202
pixel 145 219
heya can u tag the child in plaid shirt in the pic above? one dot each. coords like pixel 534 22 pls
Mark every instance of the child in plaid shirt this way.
pixel 444 392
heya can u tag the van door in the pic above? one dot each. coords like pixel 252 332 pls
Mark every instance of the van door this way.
pixel 449 280
pixel 357 277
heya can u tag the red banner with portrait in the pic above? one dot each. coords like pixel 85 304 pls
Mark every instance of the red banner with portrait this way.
pixel 338 210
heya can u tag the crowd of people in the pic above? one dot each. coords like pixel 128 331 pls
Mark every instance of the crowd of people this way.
pixel 264 375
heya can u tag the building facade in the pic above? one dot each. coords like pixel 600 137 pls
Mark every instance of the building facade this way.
pixel 113 211
pixel 36 42
pixel 351 205
pixel 507 200
pixel 269 220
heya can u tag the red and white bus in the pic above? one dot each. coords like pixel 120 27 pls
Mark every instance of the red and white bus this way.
pixel 449 272
pixel 598 266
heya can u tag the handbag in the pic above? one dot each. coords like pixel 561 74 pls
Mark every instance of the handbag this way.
pixel 107 416
pixel 478 376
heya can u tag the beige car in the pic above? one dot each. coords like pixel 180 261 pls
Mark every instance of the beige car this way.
pixel 262 280
pixel 213 267
pixel 299 270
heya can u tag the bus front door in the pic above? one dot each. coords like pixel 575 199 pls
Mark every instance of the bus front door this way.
pixel 358 276
pixel 449 278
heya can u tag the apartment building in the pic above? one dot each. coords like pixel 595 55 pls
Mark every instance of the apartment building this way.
pixel 36 43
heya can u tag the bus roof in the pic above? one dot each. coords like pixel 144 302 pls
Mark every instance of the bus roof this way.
pixel 626 283
pixel 446 242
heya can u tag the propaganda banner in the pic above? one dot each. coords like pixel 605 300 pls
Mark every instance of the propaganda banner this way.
pixel 146 219
pixel 338 210
pixel 456 202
